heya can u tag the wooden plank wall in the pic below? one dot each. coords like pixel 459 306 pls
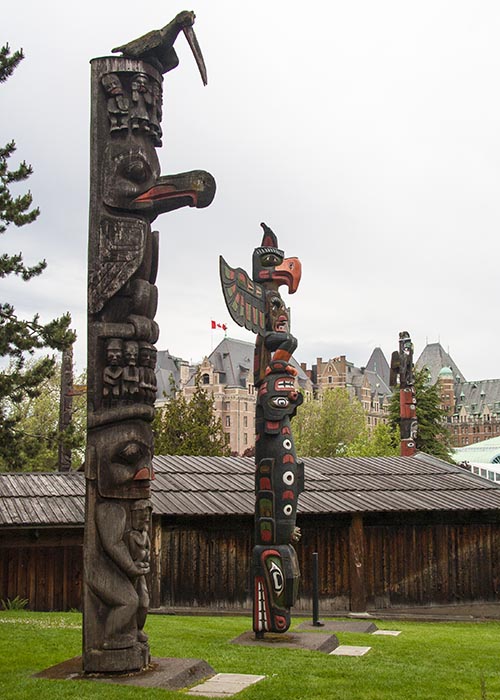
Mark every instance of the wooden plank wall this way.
pixel 442 563
pixel 46 569
pixel 206 562
pixel 209 565
pixel 393 564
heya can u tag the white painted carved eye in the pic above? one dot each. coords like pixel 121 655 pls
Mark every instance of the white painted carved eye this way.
pixel 288 478
pixel 287 444
pixel 288 509
pixel 280 401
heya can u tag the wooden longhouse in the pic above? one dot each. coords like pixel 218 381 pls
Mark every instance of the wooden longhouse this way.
pixel 391 532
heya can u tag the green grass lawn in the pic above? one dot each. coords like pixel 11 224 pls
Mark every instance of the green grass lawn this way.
pixel 452 661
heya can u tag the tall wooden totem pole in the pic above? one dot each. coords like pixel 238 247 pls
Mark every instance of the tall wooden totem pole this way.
pixel 402 367
pixel 279 477
pixel 127 193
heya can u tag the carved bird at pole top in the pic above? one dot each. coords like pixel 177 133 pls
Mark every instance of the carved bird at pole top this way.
pixel 157 47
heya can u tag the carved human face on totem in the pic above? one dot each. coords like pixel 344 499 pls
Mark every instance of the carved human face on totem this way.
pixel 112 85
pixel 277 316
pixel 131 352
pixel 140 82
pixel 114 352
pixel 145 353
pixel 123 455
pixel 278 399
pixel 140 515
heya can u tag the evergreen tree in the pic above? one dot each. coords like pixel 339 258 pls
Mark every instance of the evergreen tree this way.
pixel 20 338
pixel 433 436
pixel 183 427
pixel 327 426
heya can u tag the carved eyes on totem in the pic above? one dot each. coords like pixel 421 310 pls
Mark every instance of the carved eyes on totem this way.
pixel 136 170
pixel 131 453
pixel 277 303
pixel 288 478
pixel 270 260
pixel 288 509
pixel 280 402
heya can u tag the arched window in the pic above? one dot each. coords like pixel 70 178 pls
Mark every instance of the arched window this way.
pixel 205 379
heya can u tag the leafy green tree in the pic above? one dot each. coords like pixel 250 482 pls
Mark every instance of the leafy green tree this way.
pixel 433 436
pixel 20 338
pixel 381 442
pixel 326 426
pixel 183 427
pixel 37 428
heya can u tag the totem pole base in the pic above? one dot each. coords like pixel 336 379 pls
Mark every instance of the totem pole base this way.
pixel 316 641
pixel 166 673
pixel 133 659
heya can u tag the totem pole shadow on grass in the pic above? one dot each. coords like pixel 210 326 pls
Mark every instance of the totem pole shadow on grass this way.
pixel 256 304
pixel 127 193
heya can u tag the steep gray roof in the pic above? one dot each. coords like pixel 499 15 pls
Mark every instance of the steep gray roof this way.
pixel 233 360
pixel 167 366
pixel 378 365
pixel 377 384
pixel 197 486
pixel 475 396
pixel 434 357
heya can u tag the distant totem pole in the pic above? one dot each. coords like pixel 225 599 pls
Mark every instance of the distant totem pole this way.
pixel 279 477
pixel 402 366
pixel 127 193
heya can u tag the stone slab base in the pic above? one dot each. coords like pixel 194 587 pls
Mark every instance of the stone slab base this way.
pixel 357 626
pixel 345 650
pixel 290 640
pixel 224 685
pixel 167 673
pixel 388 633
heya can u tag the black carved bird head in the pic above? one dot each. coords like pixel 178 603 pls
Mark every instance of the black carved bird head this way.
pixel 270 264
pixel 157 47
pixel 132 182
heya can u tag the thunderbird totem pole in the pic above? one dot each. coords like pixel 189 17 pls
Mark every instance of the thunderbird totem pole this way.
pixel 279 477
pixel 402 366
pixel 127 193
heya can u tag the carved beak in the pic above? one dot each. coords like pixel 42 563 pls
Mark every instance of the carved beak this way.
pixel 289 273
pixel 195 48
pixel 192 189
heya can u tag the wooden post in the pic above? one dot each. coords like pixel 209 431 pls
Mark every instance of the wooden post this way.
pixel 357 564
pixel 65 407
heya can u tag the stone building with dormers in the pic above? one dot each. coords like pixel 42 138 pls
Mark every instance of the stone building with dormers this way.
pixel 472 407
pixel 369 385
pixel 227 374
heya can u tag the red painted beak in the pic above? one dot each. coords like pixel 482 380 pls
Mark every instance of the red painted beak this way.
pixel 289 273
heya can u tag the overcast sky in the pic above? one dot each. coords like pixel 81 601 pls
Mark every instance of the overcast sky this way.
pixel 366 134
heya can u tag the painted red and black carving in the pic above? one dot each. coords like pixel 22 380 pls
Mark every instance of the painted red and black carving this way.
pixel 402 367
pixel 279 476
pixel 127 193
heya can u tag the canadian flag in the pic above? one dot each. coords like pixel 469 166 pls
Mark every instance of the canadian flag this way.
pixel 219 325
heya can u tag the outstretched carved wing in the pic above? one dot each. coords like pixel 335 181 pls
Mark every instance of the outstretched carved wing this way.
pixel 245 299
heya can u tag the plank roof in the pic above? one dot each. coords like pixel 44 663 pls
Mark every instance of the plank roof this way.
pixel 198 486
